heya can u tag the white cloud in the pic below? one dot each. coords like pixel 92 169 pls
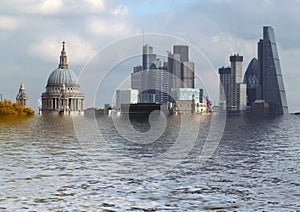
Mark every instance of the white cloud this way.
pixel 78 50
pixel 111 28
pixel 9 23
pixel 120 10
pixel 50 6
pixel 95 5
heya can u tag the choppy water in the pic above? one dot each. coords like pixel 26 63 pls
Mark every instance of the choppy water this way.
pixel 44 166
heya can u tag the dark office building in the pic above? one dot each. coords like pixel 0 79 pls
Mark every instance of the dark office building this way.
pixel 273 91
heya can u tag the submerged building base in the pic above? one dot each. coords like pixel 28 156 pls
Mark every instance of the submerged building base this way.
pixel 62 113
pixel 139 110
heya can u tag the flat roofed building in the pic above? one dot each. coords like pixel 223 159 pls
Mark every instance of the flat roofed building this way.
pixel 126 96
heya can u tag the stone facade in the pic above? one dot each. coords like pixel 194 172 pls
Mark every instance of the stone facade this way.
pixel 21 96
pixel 63 91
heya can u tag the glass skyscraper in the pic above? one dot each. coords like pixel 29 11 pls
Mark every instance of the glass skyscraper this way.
pixel 270 73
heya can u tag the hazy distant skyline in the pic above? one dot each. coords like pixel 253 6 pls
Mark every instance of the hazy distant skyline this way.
pixel 32 32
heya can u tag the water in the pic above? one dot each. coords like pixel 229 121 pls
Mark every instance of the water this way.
pixel 45 165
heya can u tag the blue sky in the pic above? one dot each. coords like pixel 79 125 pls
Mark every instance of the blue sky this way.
pixel 31 32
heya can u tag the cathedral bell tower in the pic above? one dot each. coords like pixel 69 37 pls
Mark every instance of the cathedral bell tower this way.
pixel 21 96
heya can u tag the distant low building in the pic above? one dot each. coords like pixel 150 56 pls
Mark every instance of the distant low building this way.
pixel 21 96
pixel 141 110
pixel 187 94
pixel 259 107
pixel 126 96
pixel 63 90
pixel 187 100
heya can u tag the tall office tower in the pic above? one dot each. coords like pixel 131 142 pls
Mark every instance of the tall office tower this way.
pixel 225 85
pixel 239 99
pixel 187 70
pixel 234 88
pixel 136 78
pixel 165 88
pixel 273 91
pixel 180 68
pixel 252 80
pixel 151 79
pixel 148 56
pixel 183 51
pixel 155 84
pixel 174 68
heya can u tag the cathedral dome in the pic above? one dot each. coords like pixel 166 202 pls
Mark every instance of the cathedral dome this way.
pixel 63 94
pixel 62 76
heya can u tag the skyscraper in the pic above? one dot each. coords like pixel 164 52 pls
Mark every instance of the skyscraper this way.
pixel 225 85
pixel 136 78
pixel 148 56
pixel 252 80
pixel 271 81
pixel 180 68
pixel 152 78
pixel 233 86
pixel 183 51
pixel 187 70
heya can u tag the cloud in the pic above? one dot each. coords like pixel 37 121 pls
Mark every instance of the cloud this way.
pixel 48 49
pixel 95 5
pixel 50 6
pixel 120 10
pixel 105 27
pixel 9 23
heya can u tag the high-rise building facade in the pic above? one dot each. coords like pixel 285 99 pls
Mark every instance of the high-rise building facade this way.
pixel 152 78
pixel 136 78
pixel 225 85
pixel 155 78
pixel 180 68
pixel 232 88
pixel 183 51
pixel 149 57
pixel 271 80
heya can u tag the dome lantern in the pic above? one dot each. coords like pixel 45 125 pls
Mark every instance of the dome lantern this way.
pixel 63 64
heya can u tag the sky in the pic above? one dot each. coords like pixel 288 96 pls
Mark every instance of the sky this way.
pixel 31 33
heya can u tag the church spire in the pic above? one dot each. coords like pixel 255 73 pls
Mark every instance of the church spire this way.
pixel 63 58
pixel 22 85
pixel 21 96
